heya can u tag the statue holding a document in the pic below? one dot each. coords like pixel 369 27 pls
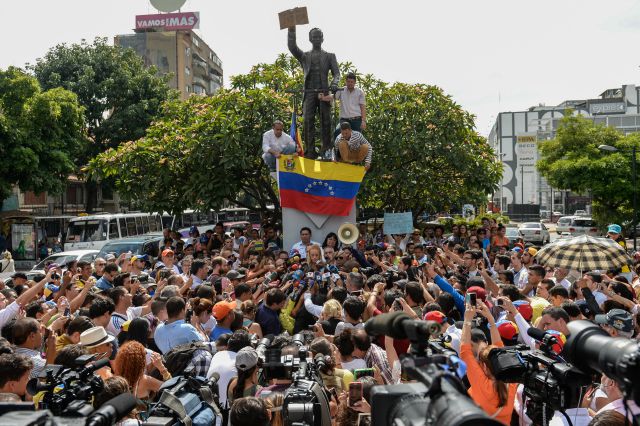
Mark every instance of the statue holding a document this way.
pixel 316 65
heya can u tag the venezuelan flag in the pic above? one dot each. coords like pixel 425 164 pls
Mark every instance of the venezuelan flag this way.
pixel 294 132
pixel 320 187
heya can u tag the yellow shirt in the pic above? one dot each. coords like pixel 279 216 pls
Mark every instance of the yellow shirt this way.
pixel 537 304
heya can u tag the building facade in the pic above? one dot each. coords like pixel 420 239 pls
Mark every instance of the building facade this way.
pixel 194 66
pixel 515 135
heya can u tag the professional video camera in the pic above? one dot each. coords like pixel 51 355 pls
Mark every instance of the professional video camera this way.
pixel 186 399
pixel 592 349
pixel 550 383
pixel 440 398
pixel 306 402
pixel 69 391
pixel 108 414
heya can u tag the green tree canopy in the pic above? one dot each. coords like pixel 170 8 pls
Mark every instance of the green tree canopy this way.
pixel 40 132
pixel 573 161
pixel 119 94
pixel 427 155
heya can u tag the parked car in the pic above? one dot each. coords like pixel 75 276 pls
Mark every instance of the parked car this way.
pixel 143 244
pixel 583 226
pixel 65 257
pixel 534 232
pixel 563 224
pixel 580 213
pixel 512 234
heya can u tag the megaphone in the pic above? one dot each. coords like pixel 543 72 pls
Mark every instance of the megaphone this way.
pixel 348 233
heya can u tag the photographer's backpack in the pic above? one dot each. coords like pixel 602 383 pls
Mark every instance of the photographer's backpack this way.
pixel 177 359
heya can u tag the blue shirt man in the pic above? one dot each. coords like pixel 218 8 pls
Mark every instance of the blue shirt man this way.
pixel 224 314
pixel 175 331
pixel 106 281
pixel 268 314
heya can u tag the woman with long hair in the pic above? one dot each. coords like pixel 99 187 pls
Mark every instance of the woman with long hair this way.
pixel 495 397
pixel 130 363
pixel 201 311
pixel 314 255
pixel 274 402
pixel 248 308
pixel 464 236
pixel 246 384
pixel 331 240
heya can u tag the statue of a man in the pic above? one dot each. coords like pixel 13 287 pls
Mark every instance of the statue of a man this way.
pixel 316 64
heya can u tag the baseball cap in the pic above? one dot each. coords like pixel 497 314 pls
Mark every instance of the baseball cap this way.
pixel 524 308
pixel 235 275
pixel 618 319
pixel 584 308
pixel 110 257
pixel 193 229
pixel 480 292
pixel 246 359
pixel 614 229
pixel 222 309
pixel 436 316
pixel 507 329
pixel 167 252
pixel 139 257
pixel 532 251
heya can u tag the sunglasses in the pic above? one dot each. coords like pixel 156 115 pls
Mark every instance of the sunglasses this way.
pixel 340 257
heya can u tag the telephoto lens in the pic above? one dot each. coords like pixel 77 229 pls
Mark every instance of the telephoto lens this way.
pixel 590 348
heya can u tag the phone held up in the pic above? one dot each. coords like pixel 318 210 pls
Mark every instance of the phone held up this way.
pixel 471 298
pixel 355 393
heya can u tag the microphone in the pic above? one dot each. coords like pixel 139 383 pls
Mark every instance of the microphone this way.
pixel 400 326
pixel 96 366
pixel 551 341
pixel 112 410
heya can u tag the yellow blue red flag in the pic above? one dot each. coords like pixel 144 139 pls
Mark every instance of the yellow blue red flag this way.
pixel 321 187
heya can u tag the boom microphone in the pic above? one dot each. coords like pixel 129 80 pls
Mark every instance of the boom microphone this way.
pixel 96 366
pixel 551 341
pixel 112 410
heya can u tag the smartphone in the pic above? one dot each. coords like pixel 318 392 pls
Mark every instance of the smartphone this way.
pixel 471 298
pixel 355 393
pixel 47 333
pixel 361 372
pixel 225 295
pixel 67 311
pixel 500 302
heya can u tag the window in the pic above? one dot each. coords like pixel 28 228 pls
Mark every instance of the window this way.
pixel 113 229
pixel 88 257
pixel 145 224
pixel 140 228
pixel 196 42
pixel 131 226
pixel 123 227
pixel 187 89
pixel 153 224
pixel 187 71
pixel 86 230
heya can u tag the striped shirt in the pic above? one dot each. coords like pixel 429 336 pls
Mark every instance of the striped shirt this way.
pixel 118 319
pixel 355 141
pixel 38 362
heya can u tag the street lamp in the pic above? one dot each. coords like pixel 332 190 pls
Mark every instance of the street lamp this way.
pixel 609 148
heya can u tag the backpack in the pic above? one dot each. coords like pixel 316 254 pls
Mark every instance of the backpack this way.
pixel 179 357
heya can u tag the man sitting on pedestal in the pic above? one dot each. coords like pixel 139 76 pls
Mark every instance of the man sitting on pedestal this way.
pixel 352 147
pixel 275 143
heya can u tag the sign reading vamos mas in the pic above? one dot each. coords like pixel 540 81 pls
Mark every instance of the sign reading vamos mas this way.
pixel 169 21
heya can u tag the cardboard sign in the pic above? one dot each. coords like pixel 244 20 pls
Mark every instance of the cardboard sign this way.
pixel 292 17
pixel 398 223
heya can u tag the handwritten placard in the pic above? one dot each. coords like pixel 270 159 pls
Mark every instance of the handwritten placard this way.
pixel 398 223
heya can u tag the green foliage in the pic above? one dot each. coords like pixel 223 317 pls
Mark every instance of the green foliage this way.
pixel 199 153
pixel 119 94
pixel 39 134
pixel 573 161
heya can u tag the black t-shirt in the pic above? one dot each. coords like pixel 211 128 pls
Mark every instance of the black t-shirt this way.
pixel 329 326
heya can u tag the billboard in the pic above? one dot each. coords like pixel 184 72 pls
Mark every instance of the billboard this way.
pixel 168 21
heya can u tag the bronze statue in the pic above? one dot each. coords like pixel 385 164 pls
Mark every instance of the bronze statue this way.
pixel 316 64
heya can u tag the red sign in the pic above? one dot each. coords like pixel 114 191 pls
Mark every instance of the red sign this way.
pixel 168 21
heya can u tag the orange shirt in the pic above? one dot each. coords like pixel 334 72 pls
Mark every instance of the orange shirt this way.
pixel 499 241
pixel 482 390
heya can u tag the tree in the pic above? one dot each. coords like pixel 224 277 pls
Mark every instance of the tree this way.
pixel 39 134
pixel 426 152
pixel 573 161
pixel 119 94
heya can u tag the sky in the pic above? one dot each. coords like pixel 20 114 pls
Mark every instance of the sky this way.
pixel 490 56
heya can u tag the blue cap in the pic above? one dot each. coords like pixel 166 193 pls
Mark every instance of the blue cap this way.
pixel 614 229
pixel 193 229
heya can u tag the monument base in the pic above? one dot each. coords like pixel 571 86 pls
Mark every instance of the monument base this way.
pixel 321 225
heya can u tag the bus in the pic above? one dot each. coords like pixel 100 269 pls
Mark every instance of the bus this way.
pixel 93 231
pixel 204 220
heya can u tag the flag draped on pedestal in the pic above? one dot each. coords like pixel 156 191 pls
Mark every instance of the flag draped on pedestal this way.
pixel 319 187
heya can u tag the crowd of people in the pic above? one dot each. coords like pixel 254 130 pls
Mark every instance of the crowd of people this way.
pixel 226 292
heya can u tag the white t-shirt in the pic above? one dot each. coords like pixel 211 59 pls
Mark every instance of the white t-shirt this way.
pixel 8 313
pixel 578 416
pixel 354 364
pixel 564 283
pixel 223 363
pixel 345 326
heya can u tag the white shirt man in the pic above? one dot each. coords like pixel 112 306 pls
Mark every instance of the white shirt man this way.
pixel 276 142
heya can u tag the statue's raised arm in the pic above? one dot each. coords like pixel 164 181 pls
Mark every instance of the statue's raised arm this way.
pixel 293 46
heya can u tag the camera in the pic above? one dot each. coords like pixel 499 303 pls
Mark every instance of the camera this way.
pixel 591 349
pixel 142 278
pixel 69 391
pixel 306 401
pixel 440 397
